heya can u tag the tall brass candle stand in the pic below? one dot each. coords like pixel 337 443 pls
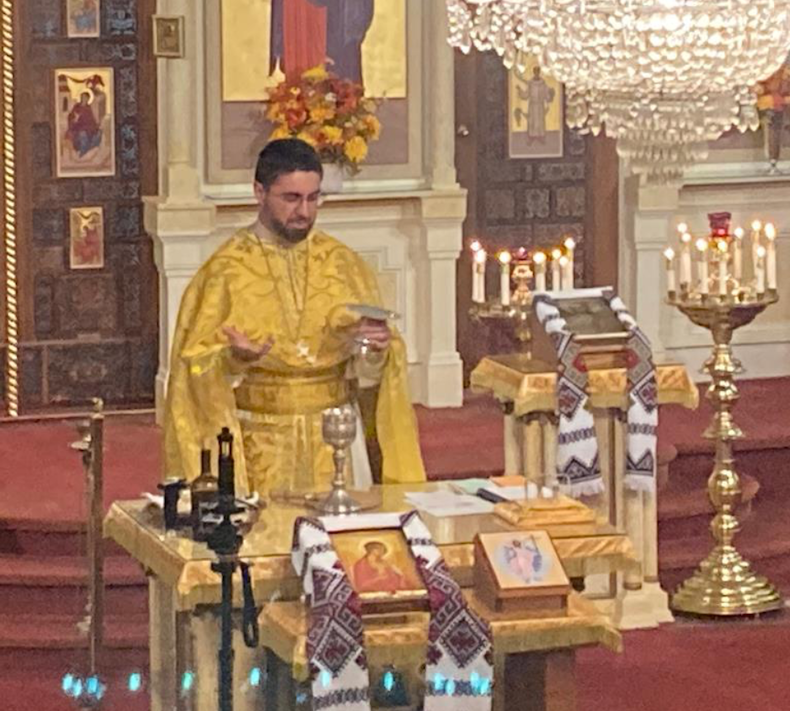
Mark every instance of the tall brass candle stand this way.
pixel 724 583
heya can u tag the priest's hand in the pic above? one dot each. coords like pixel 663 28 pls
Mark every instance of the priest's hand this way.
pixel 243 349
pixel 371 334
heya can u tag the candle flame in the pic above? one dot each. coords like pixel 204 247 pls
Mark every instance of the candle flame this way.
pixel 570 244
pixel 683 227
pixel 475 246
pixel 539 258
pixel 757 225
pixel 564 261
pixel 555 254
pixel 738 233
pixel 685 238
pixel 481 256
pixel 722 246
pixel 770 231
pixel 761 252
pixel 701 244
pixel 669 253
pixel 505 257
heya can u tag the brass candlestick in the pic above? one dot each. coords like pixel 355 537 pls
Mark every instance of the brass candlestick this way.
pixel 518 311
pixel 339 428
pixel 724 583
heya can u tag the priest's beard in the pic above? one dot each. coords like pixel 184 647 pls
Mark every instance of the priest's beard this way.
pixel 292 232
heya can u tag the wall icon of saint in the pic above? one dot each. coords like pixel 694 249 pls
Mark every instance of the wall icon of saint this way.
pixel 86 244
pixel 82 18
pixel 307 33
pixel 360 40
pixel 535 113
pixel 84 124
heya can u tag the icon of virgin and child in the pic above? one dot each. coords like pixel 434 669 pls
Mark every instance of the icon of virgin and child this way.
pixel 374 573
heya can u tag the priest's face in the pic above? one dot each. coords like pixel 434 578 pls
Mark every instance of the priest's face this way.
pixel 290 204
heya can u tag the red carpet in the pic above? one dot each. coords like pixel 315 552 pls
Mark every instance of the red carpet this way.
pixel 688 666
pixel 721 666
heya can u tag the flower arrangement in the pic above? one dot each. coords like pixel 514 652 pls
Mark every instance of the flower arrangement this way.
pixel 329 113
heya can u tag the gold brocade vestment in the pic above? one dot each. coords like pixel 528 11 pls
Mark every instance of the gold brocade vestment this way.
pixel 296 295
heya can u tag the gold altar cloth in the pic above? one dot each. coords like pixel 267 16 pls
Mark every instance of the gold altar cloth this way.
pixel 185 565
pixel 284 626
pixel 531 385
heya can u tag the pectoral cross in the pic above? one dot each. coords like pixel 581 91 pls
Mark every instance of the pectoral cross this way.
pixel 303 351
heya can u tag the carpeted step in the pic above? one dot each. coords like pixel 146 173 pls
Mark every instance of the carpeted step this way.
pixel 50 538
pixel 55 642
pixel 762 541
pixel 42 692
pixel 446 435
pixel 685 512
pixel 126 631
pixel 58 585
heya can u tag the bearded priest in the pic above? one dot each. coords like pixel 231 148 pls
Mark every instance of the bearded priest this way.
pixel 265 341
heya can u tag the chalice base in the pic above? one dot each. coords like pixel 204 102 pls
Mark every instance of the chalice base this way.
pixel 724 584
pixel 340 502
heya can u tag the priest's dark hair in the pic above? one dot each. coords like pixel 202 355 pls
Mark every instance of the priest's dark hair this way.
pixel 283 156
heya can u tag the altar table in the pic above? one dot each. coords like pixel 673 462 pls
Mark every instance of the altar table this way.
pixel 527 390
pixel 184 592
pixel 534 659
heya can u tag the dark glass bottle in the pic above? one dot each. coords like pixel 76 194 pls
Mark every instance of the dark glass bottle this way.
pixel 204 491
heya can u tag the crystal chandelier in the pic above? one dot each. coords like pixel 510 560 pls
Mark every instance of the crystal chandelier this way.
pixel 663 76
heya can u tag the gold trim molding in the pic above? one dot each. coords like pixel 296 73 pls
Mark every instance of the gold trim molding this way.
pixel 9 209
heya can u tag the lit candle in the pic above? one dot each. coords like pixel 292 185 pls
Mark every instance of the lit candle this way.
pixel 504 280
pixel 737 254
pixel 683 228
pixel 759 270
pixel 479 284
pixel 721 246
pixel 567 279
pixel 702 265
pixel 770 257
pixel 539 261
pixel 475 247
pixel 756 227
pixel 669 253
pixel 555 269
pixel 570 245
pixel 685 261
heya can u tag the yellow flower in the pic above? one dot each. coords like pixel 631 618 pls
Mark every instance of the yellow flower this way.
pixel 356 149
pixel 280 132
pixel 307 138
pixel 333 134
pixel 373 125
pixel 322 113
pixel 316 73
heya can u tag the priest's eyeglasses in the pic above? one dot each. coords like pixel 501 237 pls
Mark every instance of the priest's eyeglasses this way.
pixel 293 199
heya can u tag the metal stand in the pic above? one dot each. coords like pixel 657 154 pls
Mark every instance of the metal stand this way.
pixel 225 540
pixel 724 584
pixel 517 312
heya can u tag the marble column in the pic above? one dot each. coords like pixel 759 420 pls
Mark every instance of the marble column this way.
pixel 442 375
